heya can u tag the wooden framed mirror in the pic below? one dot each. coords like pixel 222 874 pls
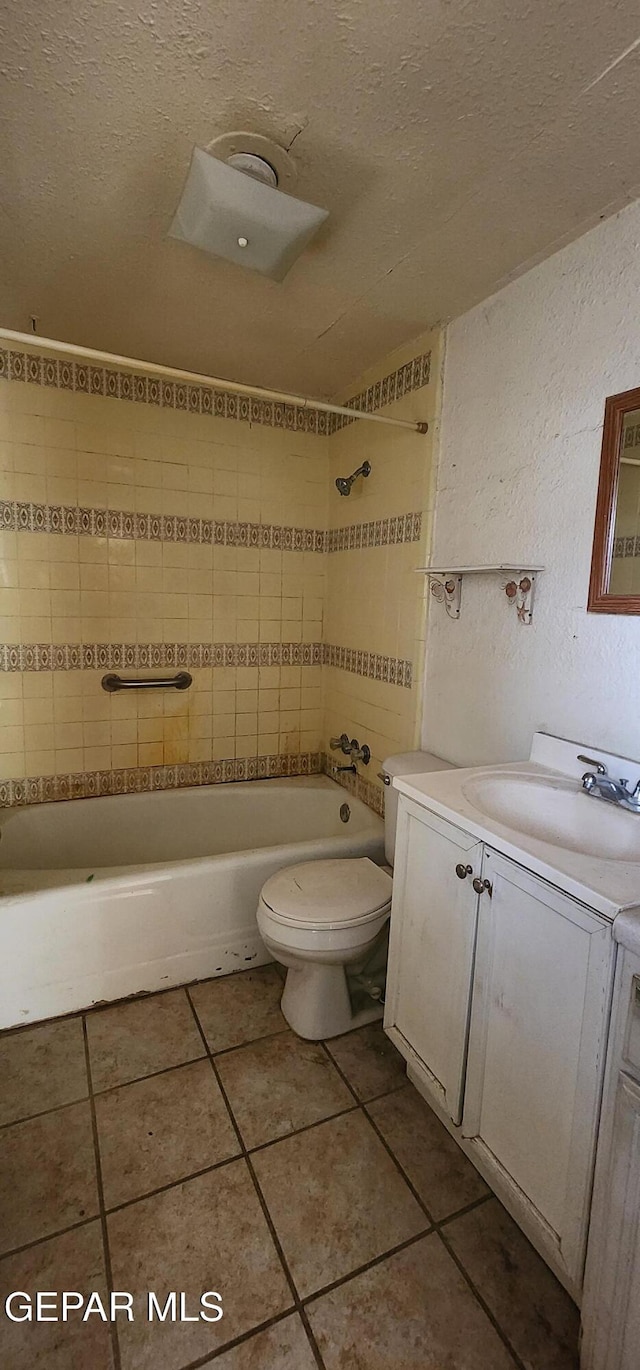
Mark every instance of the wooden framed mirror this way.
pixel 614 587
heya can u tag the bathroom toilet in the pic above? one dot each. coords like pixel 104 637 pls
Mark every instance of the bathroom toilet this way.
pixel 326 921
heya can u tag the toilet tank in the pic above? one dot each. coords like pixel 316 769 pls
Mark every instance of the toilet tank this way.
pixel 406 763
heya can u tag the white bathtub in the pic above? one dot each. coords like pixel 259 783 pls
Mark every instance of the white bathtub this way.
pixel 102 898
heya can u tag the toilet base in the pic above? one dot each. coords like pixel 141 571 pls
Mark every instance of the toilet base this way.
pixel 316 1002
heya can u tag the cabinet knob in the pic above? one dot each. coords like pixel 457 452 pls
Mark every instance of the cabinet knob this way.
pixel 463 871
pixel 481 885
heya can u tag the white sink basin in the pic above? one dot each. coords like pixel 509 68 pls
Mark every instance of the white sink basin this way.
pixel 556 811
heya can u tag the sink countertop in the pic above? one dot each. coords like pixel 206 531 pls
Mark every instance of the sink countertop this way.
pixel 605 885
pixel 626 930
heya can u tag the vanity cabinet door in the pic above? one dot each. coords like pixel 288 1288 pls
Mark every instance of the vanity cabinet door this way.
pixel 433 929
pixel 536 1055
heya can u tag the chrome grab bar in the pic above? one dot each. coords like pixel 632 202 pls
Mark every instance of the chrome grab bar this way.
pixel 181 681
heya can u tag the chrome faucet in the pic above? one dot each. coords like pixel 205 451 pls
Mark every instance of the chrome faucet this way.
pixel 601 786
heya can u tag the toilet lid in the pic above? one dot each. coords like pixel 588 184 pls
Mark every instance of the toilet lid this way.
pixel 328 894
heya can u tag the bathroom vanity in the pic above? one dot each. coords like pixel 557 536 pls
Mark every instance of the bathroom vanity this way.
pixel 502 960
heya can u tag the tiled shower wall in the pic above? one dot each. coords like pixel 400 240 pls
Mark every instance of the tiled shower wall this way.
pixel 147 527
pixel 140 537
pixel 375 602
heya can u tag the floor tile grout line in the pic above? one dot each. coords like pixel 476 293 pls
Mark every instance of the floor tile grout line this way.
pixel 296 1131
pixel 366 1266
pixel 152 1075
pixel 387 1148
pixel 355 1107
pixel 194 1060
pixel 462 1212
pixel 44 1112
pixel 482 1301
pixel 304 1318
pixel 299 1301
pixel 173 1184
pixel 103 1216
pixel 435 1227
pixel 285 1264
pixel 194 1175
pixel 251 1041
pixel 436 1223
pixel 137 1079
pixel 260 1196
pixel 49 1236
pixel 244 1152
pixel 400 1167
pixel 437 1230
pixel 239 1340
pixel 315 1296
pixel 217 1165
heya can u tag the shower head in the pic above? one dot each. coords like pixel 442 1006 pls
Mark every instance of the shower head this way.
pixel 344 483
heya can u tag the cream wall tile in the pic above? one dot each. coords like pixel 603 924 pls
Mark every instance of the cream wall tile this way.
pixel 92 589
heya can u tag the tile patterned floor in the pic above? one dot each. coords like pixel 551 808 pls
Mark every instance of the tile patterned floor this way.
pixel 189 1141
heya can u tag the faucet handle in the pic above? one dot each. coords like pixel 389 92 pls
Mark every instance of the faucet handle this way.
pixel 598 767
pixel 340 743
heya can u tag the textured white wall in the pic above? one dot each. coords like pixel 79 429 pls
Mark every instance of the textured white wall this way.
pixel 526 376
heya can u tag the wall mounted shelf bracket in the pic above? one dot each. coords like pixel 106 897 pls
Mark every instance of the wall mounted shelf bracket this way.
pixel 445 584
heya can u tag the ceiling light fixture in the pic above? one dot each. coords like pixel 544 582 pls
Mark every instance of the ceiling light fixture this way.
pixel 232 205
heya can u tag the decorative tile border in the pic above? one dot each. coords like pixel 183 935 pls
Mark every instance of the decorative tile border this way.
pixel 142 389
pixel 367 791
pixel 23 516
pixel 26 517
pixel 627 547
pixel 379 533
pixel 139 388
pixel 110 656
pixel 43 789
pixel 390 669
pixel 412 376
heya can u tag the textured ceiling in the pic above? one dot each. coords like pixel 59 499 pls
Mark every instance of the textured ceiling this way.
pixel 453 141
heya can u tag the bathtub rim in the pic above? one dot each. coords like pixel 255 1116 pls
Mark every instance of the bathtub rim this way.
pixel 107 878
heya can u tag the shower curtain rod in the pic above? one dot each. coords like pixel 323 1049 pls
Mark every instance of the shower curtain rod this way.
pixel 155 369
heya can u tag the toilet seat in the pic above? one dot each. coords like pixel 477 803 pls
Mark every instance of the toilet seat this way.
pixel 322 896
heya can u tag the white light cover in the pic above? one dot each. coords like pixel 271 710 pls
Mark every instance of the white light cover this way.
pixel 220 205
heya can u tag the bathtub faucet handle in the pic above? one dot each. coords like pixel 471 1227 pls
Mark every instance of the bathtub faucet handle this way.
pixel 340 744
